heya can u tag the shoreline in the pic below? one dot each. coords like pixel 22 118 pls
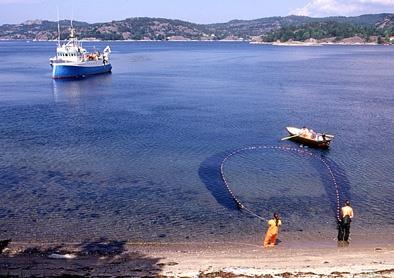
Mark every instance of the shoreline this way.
pixel 103 257
pixel 282 44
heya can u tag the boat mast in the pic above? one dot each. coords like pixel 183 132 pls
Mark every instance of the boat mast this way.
pixel 72 30
pixel 58 29
pixel 72 19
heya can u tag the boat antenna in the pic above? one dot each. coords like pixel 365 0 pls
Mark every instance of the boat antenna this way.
pixel 72 35
pixel 58 28
pixel 72 14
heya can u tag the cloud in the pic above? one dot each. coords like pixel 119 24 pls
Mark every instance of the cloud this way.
pixel 344 7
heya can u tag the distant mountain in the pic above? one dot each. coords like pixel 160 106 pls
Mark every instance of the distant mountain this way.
pixel 264 29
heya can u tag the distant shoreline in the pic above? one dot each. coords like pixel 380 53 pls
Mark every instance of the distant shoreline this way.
pixel 283 44
pixel 295 44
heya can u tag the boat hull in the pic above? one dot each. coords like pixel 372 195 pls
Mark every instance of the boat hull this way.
pixel 311 143
pixel 77 71
pixel 325 144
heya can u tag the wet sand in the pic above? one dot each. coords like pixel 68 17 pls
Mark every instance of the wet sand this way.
pixel 301 258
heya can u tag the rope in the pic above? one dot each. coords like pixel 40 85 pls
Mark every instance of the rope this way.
pixel 297 150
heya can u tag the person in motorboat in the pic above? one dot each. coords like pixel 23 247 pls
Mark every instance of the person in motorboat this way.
pixel 312 134
pixel 309 134
pixel 304 132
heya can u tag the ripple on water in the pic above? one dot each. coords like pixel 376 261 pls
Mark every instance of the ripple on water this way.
pixel 136 154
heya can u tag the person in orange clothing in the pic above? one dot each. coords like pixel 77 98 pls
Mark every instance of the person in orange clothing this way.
pixel 273 231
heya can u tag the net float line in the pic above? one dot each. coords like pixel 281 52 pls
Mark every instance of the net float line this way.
pixel 262 147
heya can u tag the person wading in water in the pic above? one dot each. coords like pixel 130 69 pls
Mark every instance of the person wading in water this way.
pixel 273 231
pixel 344 223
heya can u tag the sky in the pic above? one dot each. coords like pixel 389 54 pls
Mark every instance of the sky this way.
pixel 197 11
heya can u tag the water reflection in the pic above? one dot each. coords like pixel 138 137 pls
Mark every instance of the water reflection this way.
pixel 74 91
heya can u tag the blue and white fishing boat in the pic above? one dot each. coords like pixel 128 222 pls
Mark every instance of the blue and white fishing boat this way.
pixel 73 61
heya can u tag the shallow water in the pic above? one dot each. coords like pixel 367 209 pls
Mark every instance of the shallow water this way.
pixel 136 154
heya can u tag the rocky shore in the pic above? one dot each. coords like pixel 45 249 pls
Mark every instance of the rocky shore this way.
pixel 105 258
pixel 327 41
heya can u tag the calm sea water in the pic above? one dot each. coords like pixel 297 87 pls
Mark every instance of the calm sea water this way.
pixel 136 154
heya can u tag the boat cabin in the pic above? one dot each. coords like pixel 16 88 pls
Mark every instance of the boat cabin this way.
pixel 73 52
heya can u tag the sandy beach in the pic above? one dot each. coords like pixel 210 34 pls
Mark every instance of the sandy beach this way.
pixel 103 258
